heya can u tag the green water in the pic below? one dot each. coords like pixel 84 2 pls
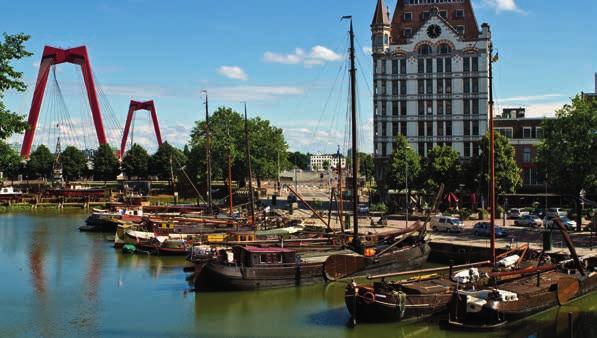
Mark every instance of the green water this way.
pixel 58 282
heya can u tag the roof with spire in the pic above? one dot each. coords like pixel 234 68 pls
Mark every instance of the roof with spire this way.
pixel 420 13
pixel 381 16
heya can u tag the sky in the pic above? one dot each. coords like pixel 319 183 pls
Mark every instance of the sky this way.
pixel 285 58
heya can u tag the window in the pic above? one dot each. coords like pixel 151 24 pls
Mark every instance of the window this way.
pixel 383 129
pixel 440 128
pixel 429 65
pixel 402 107
pixel 467 127
pixel 448 128
pixel 475 148
pixel 466 85
pixel 403 87
pixel 429 147
pixel 539 132
pixel 421 107
pixel 395 108
pixel 466 64
pixel 421 126
pixel 394 66
pixel 429 86
pixel 460 29
pixel 425 49
pixel 384 149
pixel 443 14
pixel 504 131
pixel 395 87
pixel 459 14
pixel 403 128
pixel 421 65
pixel 429 128
pixel 407 32
pixel 475 127
pixel 440 86
pixel 444 49
pixel 421 147
pixel 421 86
pixel 466 107
pixel 408 16
pixel 440 107
pixel 403 66
pixel 526 155
pixel 448 65
pixel 439 64
pixel 449 107
pixel 383 108
pixel 467 149
pixel 429 107
pixel 394 129
pixel 475 85
pixel 475 63
pixel 425 15
pixel 526 132
pixel 448 85
pixel 475 106
pixel 383 87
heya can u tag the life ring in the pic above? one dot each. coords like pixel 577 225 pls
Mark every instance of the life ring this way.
pixel 368 297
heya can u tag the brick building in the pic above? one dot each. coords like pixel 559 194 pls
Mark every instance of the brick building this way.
pixel 430 77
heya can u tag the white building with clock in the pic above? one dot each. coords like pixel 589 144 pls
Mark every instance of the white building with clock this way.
pixel 430 77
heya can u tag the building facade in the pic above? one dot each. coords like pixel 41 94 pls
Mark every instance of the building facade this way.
pixel 316 162
pixel 430 77
pixel 524 133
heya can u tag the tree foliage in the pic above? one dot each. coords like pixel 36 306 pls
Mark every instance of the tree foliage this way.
pixel 74 163
pixel 568 151
pixel 167 159
pixel 40 163
pixel 325 165
pixel 442 165
pixel 507 173
pixel 227 134
pixel 402 158
pixel 136 162
pixel 11 49
pixel 9 160
pixel 366 166
pixel 299 160
pixel 105 164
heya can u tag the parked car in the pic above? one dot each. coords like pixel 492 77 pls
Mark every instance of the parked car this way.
pixel 516 213
pixel 363 209
pixel 447 223
pixel 484 229
pixel 553 212
pixel 569 223
pixel 529 221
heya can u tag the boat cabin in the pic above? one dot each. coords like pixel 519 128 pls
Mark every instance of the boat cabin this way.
pixel 255 256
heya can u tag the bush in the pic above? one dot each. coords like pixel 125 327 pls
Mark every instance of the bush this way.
pixel 483 214
pixel 379 207
pixel 464 214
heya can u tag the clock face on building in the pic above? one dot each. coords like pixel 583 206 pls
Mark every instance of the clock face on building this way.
pixel 434 31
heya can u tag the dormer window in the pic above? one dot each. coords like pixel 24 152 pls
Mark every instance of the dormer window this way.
pixel 460 29
pixel 407 33
pixel 459 14
pixel 408 16
pixel 443 14
pixel 425 15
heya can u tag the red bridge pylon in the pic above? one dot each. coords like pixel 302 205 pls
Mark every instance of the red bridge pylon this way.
pixel 133 107
pixel 53 56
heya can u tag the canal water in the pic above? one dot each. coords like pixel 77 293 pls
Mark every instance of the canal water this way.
pixel 58 282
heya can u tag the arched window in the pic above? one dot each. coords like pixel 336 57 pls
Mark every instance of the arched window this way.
pixel 425 49
pixel 444 48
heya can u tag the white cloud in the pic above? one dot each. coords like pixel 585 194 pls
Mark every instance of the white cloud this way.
pixel 318 55
pixel 367 50
pixel 530 98
pixel 253 93
pixel 233 72
pixel 503 5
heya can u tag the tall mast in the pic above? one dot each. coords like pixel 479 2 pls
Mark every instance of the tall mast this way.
pixel 355 153
pixel 492 154
pixel 229 168
pixel 207 154
pixel 248 149
pixel 340 200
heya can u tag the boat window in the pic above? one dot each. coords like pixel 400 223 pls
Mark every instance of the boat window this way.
pixel 279 258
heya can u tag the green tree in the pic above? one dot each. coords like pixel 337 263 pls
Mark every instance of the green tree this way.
pixel 136 162
pixel 105 164
pixel 568 152
pixel 167 159
pixel 366 166
pixel 325 165
pixel 74 163
pixel 227 132
pixel 299 160
pixel 507 173
pixel 40 163
pixel 11 49
pixel 442 165
pixel 9 161
pixel 404 159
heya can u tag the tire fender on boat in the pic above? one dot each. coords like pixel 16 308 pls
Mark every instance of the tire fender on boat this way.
pixel 368 297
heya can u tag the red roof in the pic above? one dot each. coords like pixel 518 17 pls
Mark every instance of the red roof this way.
pixel 255 249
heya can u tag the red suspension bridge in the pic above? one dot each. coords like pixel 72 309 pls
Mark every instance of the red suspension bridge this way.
pixel 96 113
